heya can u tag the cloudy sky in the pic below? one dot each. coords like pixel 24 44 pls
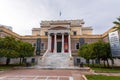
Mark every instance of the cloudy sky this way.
pixel 23 15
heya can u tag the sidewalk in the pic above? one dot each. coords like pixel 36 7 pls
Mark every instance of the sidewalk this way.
pixel 40 74
pixel 45 74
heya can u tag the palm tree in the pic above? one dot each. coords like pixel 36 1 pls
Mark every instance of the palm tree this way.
pixel 117 23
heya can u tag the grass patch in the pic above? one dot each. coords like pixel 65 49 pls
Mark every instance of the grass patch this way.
pixel 95 65
pixel 102 77
pixel 101 68
pixel 10 66
pixel 5 67
pixel 109 70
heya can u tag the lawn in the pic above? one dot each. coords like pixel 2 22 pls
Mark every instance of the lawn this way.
pixel 113 70
pixel 102 77
pixel 6 67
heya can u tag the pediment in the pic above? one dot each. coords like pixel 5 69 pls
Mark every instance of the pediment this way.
pixel 58 28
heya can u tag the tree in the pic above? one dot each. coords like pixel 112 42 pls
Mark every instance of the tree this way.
pixel 99 50
pixel 102 50
pixel 117 23
pixel 25 50
pixel 1 47
pixel 108 53
pixel 12 48
pixel 86 51
pixel 9 48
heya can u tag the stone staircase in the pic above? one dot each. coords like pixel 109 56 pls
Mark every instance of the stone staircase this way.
pixel 56 60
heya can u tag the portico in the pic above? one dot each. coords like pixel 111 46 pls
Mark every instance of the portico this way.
pixel 59 40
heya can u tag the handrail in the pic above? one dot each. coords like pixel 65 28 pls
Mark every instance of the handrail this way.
pixel 45 54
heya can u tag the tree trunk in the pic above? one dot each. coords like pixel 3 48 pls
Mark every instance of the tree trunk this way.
pixel 104 63
pixel 20 60
pixel 112 61
pixel 23 60
pixel 88 62
pixel 99 63
pixel 7 61
pixel 93 62
pixel 108 63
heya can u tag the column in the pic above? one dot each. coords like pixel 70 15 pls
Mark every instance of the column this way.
pixel 62 43
pixel 55 43
pixel 49 42
pixel 69 43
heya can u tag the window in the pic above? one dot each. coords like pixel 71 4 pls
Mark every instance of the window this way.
pixel 34 44
pixel 78 60
pixel 42 46
pixel 77 46
pixel 33 60
pixel 46 33
pixel 74 33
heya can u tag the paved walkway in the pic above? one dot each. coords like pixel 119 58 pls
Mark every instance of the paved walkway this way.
pixel 37 78
pixel 40 74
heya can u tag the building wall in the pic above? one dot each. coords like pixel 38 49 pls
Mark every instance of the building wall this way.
pixel 91 40
pixel 45 42
pixel 73 45
pixel 35 32
pixel 86 32
pixel 74 26
pixel 31 41
pixel 77 29
pixel 106 39
pixel 2 34
pixel 43 30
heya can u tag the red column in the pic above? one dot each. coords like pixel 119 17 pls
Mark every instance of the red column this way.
pixel 52 43
pixel 66 43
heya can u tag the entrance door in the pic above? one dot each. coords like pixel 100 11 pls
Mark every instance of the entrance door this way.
pixel 59 45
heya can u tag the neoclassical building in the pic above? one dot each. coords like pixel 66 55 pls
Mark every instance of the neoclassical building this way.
pixel 64 36
pixel 58 37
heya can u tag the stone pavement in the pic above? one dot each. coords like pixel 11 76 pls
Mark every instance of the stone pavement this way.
pixel 45 74
pixel 40 74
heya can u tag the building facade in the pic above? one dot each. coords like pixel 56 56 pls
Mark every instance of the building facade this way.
pixel 64 36
pixel 60 36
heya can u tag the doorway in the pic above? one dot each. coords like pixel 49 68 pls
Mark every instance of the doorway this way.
pixel 59 47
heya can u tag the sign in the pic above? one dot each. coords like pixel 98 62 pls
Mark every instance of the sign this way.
pixel 114 44
pixel 38 46
pixel 82 41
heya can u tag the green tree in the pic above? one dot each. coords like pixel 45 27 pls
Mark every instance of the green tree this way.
pixel 85 52
pixel 12 48
pixel 99 50
pixel 9 48
pixel 117 23
pixel 1 47
pixel 25 50
pixel 102 50
pixel 107 55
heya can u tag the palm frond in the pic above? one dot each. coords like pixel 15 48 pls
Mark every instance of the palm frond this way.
pixel 117 23
pixel 118 19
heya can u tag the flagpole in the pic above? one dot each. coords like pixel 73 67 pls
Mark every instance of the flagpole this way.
pixel 60 15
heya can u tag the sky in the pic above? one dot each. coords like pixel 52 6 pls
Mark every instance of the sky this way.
pixel 23 15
